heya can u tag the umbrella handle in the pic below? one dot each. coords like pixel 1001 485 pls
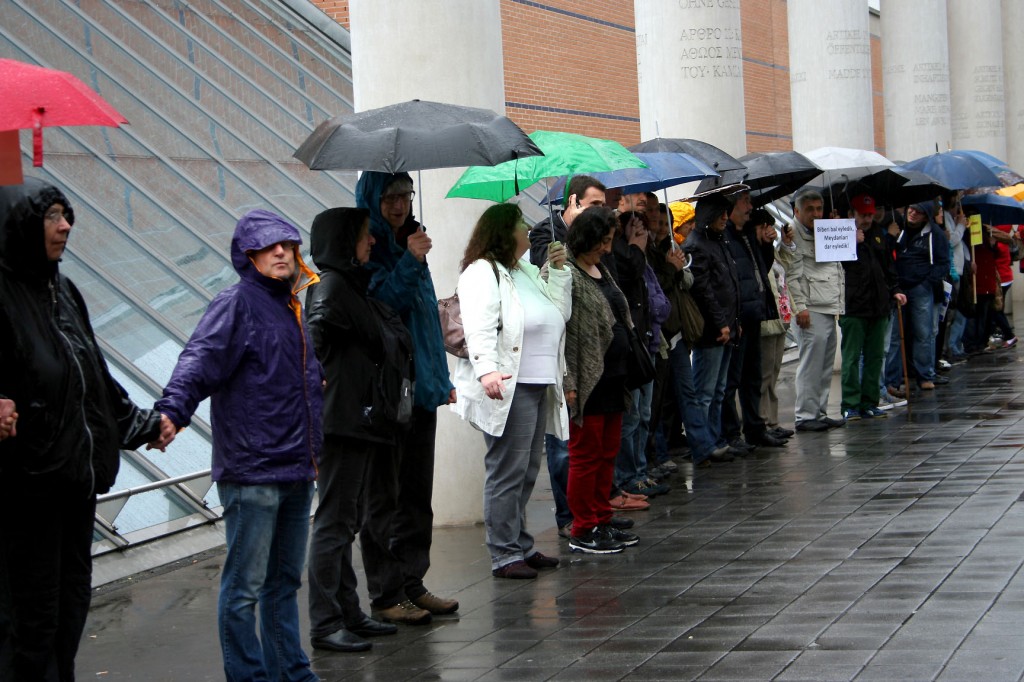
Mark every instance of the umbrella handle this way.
pixel 37 138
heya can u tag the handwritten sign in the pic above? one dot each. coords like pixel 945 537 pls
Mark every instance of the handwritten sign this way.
pixel 975 224
pixel 835 240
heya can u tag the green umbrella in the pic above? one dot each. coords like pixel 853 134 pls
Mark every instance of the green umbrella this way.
pixel 564 154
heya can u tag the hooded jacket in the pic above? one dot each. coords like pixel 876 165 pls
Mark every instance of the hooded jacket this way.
pixel 715 281
pixel 405 284
pixel 73 416
pixel 251 353
pixel 922 255
pixel 349 333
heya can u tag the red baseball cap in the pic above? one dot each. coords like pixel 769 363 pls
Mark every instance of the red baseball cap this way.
pixel 863 203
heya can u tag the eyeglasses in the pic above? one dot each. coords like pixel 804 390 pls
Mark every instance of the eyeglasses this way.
pixel 55 215
pixel 401 198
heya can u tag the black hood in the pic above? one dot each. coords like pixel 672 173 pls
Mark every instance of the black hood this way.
pixel 711 207
pixel 334 235
pixel 22 244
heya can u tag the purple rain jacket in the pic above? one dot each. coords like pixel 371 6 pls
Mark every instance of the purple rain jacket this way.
pixel 252 353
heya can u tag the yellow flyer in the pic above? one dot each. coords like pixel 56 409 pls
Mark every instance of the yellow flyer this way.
pixel 975 224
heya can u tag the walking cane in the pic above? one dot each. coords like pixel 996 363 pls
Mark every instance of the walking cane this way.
pixel 903 357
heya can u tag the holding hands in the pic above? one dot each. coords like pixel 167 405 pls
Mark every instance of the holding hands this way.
pixel 167 433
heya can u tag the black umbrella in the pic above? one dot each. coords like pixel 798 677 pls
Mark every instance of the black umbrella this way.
pixel 889 187
pixel 770 175
pixel 708 153
pixel 415 135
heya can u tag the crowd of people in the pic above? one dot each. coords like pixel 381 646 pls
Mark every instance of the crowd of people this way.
pixel 600 341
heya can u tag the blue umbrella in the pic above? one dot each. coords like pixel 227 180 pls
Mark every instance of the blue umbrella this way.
pixel 1004 172
pixel 955 170
pixel 995 209
pixel 664 169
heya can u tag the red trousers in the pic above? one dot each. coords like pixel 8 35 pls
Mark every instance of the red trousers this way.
pixel 592 451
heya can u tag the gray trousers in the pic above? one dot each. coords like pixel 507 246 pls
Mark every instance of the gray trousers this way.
pixel 510 472
pixel 772 349
pixel 814 373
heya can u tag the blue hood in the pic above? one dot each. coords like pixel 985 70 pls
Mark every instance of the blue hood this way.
pixel 369 190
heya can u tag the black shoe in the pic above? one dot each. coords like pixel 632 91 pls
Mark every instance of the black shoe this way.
pixel 812 425
pixel 372 628
pixel 620 523
pixel 538 560
pixel 780 432
pixel 833 423
pixel 741 445
pixel 341 640
pixel 940 380
pixel 593 542
pixel 615 535
pixel 769 441
pixel 517 570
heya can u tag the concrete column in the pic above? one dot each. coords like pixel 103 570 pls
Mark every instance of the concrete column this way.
pixel 976 76
pixel 446 51
pixel 1013 38
pixel 830 74
pixel 916 78
pixel 690 71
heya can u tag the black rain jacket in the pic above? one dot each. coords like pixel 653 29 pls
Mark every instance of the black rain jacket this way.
pixel 73 416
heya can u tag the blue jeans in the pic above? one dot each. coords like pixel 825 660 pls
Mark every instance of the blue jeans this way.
pixel 266 526
pixel 710 374
pixel 694 418
pixel 956 335
pixel 921 308
pixel 631 462
pixel 558 472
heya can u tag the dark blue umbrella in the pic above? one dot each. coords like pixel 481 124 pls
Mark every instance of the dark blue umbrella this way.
pixel 1004 172
pixel 955 170
pixel 664 169
pixel 995 209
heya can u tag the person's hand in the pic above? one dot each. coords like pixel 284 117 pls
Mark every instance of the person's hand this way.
pixel 572 209
pixel 803 319
pixel 570 399
pixel 419 245
pixel 167 433
pixel 556 255
pixel 770 233
pixel 452 397
pixel 723 335
pixel 676 258
pixel 894 229
pixel 860 236
pixel 8 419
pixel 900 298
pixel 787 235
pixel 494 384
pixel 636 233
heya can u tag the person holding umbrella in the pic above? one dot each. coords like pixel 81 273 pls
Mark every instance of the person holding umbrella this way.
pixel 396 541
pixel 63 421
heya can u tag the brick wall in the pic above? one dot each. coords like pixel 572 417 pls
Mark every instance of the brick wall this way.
pixel 766 75
pixel 877 92
pixel 335 9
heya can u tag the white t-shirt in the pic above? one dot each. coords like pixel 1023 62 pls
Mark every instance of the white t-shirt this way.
pixel 542 330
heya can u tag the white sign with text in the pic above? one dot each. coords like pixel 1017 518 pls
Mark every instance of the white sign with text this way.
pixel 835 240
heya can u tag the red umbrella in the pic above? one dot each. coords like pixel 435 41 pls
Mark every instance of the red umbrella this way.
pixel 33 97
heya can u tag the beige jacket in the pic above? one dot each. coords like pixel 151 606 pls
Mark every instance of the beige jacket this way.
pixel 817 287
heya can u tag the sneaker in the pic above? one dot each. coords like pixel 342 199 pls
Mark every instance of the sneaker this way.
pixel 1010 343
pixel 565 531
pixel 851 415
pixel 538 561
pixel 669 466
pixel 404 612
pixel 943 366
pixel 780 432
pixel 720 455
pixel 627 538
pixel 873 413
pixel 517 570
pixel 620 503
pixel 621 523
pixel 593 542
pixel 741 445
pixel 646 487
pixel 439 606
pixel 657 473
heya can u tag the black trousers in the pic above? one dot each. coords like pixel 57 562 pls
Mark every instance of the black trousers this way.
pixel 395 539
pixel 343 489
pixel 744 380
pixel 46 527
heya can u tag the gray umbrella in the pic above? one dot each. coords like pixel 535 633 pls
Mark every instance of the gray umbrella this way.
pixel 706 152
pixel 412 136
pixel 769 175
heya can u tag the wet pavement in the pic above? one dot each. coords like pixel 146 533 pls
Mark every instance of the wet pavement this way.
pixel 890 549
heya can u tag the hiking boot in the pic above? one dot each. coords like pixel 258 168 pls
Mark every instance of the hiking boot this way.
pixel 438 606
pixel 405 613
